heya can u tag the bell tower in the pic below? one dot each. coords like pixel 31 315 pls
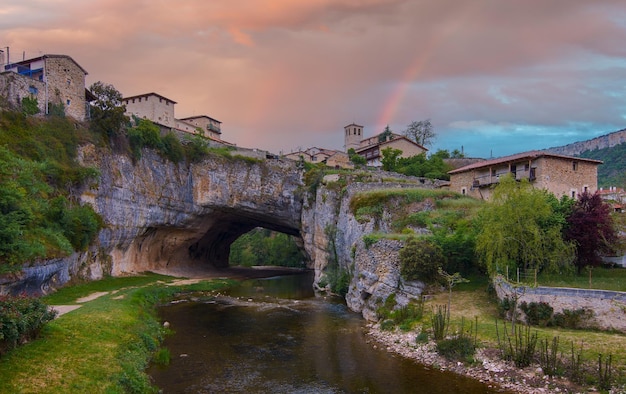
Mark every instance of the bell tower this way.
pixel 353 136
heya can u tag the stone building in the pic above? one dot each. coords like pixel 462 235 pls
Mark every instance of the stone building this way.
pixel 50 80
pixel 371 148
pixel 160 110
pixel 332 158
pixel 558 174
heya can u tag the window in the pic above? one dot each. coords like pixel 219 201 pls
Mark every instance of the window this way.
pixel 493 172
pixel 68 102
pixel 463 191
pixel 575 165
pixel 69 82
pixel 526 167
pixel 573 193
pixel 32 89
pixel 585 189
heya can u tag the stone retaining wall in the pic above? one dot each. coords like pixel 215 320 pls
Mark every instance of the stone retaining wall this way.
pixel 609 307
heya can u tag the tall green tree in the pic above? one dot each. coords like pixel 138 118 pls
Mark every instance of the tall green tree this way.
pixel 107 110
pixel 355 158
pixel 390 158
pixel 518 230
pixel 590 227
pixel 385 135
pixel 421 132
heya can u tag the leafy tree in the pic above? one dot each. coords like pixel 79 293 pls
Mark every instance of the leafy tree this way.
pixel 265 247
pixel 590 228
pixel 107 111
pixel 432 167
pixel 457 154
pixel 518 230
pixel 385 135
pixel 421 259
pixel 390 158
pixel 421 132
pixel 355 158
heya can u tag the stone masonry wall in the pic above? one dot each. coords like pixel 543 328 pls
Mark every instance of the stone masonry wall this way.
pixel 609 307
pixel 66 83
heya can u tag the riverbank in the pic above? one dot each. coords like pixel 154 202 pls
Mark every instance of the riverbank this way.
pixel 488 368
pixel 470 303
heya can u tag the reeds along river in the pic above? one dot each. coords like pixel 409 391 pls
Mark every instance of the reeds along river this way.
pixel 274 336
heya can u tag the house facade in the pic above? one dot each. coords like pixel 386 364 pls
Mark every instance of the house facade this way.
pixel 371 148
pixel 160 110
pixel 50 79
pixel 331 158
pixel 561 175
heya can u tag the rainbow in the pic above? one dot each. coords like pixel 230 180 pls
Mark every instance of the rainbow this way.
pixel 411 73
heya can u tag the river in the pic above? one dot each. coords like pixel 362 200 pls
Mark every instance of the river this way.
pixel 274 336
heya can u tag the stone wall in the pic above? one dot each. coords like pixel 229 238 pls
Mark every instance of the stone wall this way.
pixel 609 307
pixel 66 84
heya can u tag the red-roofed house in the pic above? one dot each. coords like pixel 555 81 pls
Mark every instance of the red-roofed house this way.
pixel 560 175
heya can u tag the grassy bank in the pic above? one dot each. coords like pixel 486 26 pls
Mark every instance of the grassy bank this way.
pixel 101 347
pixel 471 303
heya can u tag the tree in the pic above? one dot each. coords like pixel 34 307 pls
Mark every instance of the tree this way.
pixel 518 230
pixel 421 132
pixel 590 228
pixel 421 259
pixel 107 111
pixel 355 158
pixel 385 135
pixel 390 158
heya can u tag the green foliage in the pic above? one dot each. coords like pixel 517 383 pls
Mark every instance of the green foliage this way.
pixel 519 346
pixel 517 229
pixel 196 149
pixel 404 316
pixel 459 348
pixel 537 313
pixel 107 112
pixel 355 158
pixel 56 110
pixel 549 359
pixel 420 259
pixel 172 148
pixel 30 106
pixel 440 320
pixel 573 319
pixel 386 135
pixel 21 320
pixel 390 158
pixel 265 247
pixel 37 171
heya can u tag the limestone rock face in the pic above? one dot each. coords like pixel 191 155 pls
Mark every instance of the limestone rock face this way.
pixel 333 235
pixel 165 217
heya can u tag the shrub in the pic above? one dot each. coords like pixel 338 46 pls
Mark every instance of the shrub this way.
pixel 537 313
pixel 21 319
pixel 420 259
pixel 460 348
pixel 30 106
pixel 196 149
pixel 572 319
pixel 172 148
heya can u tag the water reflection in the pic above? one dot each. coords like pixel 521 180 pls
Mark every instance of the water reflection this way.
pixel 255 342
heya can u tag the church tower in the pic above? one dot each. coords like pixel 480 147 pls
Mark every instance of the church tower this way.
pixel 353 136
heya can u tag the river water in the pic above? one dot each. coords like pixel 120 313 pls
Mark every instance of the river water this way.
pixel 274 336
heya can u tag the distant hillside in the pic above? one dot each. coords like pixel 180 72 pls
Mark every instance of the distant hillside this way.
pixel 577 148
pixel 610 148
pixel 613 171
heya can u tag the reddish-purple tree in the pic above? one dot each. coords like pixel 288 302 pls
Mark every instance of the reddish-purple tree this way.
pixel 591 228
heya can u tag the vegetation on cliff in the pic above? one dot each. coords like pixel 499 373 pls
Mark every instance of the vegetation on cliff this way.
pixel 40 216
pixel 265 247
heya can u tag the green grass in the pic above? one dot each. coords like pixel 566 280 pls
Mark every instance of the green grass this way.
pixel 602 278
pixel 102 347
pixel 470 300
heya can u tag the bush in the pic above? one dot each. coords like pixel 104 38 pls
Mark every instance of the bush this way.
pixel 21 319
pixel 420 259
pixel 460 348
pixel 537 313
pixel 572 319
pixel 172 148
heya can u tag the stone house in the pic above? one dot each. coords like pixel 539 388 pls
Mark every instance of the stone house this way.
pixel 330 157
pixel 371 148
pixel 561 175
pixel 160 110
pixel 49 79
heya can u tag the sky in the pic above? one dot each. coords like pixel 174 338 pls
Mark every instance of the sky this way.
pixel 495 77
